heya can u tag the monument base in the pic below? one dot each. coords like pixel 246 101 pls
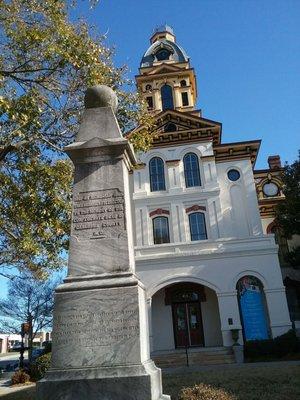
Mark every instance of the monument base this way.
pixel 100 342
pixel 118 383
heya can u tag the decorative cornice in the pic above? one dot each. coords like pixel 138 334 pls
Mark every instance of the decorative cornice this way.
pixel 197 129
pixel 267 206
pixel 183 137
pixel 237 151
pixel 153 74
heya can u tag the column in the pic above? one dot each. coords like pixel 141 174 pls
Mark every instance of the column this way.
pixel 149 309
pixel 279 316
pixel 230 316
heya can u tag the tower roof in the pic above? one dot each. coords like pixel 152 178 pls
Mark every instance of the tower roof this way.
pixel 163 28
pixel 163 48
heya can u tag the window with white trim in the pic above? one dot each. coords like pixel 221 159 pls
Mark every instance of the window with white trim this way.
pixel 157 174
pixel 191 170
pixel 161 230
pixel 197 226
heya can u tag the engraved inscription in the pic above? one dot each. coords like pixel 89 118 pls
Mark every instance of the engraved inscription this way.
pixel 99 214
pixel 90 329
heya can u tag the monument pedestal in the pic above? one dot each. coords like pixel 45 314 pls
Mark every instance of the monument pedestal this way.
pixel 100 342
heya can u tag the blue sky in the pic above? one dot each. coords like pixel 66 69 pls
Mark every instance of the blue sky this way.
pixel 246 55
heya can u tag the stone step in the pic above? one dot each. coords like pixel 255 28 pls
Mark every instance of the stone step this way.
pixel 210 357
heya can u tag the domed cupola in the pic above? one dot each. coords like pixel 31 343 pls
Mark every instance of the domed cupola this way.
pixel 163 48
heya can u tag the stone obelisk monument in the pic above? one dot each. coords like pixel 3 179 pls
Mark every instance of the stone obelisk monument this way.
pixel 100 337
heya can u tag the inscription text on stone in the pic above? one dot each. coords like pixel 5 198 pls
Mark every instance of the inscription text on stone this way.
pixel 91 329
pixel 99 214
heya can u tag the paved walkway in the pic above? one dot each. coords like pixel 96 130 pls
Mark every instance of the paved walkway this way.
pixel 195 368
pixel 5 387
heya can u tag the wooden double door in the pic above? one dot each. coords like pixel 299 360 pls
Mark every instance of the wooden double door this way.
pixel 188 327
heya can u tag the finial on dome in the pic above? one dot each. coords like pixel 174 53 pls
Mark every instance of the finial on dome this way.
pixel 100 96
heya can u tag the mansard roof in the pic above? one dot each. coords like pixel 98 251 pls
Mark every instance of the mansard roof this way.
pixel 178 54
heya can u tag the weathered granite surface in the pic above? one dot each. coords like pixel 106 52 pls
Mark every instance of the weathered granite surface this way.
pixel 135 383
pixel 105 319
pixel 100 333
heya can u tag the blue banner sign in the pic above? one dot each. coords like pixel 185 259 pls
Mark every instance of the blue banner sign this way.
pixel 254 318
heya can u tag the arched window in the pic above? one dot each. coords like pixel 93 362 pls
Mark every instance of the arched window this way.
pixel 161 230
pixel 167 97
pixel 197 226
pixel 163 54
pixel 157 174
pixel 183 83
pixel 253 308
pixel 170 127
pixel 191 170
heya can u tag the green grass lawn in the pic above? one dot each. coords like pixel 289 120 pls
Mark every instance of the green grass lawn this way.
pixel 256 383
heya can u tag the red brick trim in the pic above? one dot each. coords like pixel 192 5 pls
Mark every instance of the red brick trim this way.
pixel 195 207
pixel 159 211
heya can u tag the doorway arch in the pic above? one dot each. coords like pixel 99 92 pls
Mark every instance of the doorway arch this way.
pixel 184 314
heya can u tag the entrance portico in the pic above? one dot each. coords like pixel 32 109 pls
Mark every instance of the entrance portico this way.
pixel 184 315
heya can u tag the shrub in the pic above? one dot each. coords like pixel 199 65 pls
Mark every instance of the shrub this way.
pixel 204 392
pixel 40 367
pixel 280 346
pixel 19 377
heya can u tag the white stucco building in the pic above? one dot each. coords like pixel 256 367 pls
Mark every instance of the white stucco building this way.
pixel 200 248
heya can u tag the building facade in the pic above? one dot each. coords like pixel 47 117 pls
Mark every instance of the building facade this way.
pixel 269 193
pixel 201 250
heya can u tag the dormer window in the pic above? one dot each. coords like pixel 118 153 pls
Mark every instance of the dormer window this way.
pixel 163 54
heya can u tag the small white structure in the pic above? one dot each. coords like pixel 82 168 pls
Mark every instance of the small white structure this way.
pixel 9 340
pixel 199 244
